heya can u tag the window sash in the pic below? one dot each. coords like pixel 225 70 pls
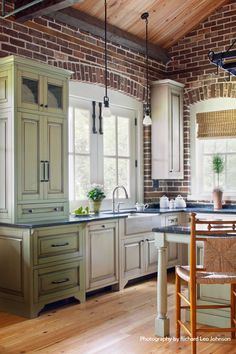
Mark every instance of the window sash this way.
pixel 97 153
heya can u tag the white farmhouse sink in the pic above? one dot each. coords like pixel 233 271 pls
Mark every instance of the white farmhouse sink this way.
pixel 141 222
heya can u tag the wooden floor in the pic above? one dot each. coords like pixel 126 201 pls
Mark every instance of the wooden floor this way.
pixel 108 323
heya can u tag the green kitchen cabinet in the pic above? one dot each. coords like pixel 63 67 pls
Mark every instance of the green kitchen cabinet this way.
pixel 39 266
pixel 34 142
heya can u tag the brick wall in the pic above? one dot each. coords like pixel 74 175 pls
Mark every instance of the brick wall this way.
pixel 48 41
pixel 190 65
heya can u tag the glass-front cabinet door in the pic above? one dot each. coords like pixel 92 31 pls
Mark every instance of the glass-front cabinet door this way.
pixel 42 93
pixel 29 90
pixel 55 95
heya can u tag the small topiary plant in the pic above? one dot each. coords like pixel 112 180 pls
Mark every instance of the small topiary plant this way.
pixel 218 167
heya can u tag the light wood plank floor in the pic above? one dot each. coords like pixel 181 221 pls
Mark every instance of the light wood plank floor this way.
pixel 108 323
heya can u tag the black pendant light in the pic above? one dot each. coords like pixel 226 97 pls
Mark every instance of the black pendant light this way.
pixel 147 117
pixel 106 112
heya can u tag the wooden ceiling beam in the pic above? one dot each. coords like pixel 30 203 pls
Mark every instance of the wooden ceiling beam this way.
pixel 44 7
pixel 115 35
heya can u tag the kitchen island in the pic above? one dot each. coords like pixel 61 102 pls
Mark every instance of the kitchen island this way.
pixel 205 294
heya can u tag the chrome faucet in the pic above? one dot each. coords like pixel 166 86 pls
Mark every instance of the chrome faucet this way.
pixel 113 196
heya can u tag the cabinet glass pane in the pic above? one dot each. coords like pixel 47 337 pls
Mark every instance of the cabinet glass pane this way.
pixel 30 90
pixel 54 96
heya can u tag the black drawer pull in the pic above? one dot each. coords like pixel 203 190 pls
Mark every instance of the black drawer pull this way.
pixel 60 245
pixel 60 281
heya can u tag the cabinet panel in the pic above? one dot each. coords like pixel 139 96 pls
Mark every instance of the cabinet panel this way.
pixel 102 255
pixel 102 262
pixel 133 258
pixel 11 265
pixel 3 163
pixel 167 129
pixel 5 89
pixel 151 256
pixel 29 157
pixel 175 159
pixel 56 187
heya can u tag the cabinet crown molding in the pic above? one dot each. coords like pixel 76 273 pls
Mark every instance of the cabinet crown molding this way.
pixel 167 82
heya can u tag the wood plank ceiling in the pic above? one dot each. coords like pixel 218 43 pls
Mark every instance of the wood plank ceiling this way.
pixel 169 20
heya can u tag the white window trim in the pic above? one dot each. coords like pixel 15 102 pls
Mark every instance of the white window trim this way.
pixel 118 100
pixel 211 105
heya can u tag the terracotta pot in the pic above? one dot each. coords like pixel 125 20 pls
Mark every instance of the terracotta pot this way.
pixel 217 198
pixel 95 206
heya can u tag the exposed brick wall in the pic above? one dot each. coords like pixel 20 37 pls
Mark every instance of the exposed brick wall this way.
pixel 190 65
pixel 64 46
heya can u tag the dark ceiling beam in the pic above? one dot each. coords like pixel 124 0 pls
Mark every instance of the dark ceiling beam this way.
pixel 42 8
pixel 115 35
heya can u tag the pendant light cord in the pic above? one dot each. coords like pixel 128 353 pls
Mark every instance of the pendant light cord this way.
pixel 105 48
pixel 147 62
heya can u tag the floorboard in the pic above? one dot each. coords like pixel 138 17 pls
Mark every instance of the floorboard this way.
pixel 108 323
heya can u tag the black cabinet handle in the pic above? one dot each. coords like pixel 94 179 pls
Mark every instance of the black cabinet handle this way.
pixel 41 105
pixel 43 165
pixel 60 245
pixel 46 106
pixel 100 118
pixel 94 130
pixel 47 163
pixel 60 281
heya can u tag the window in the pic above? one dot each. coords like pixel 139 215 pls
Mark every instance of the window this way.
pixel 207 178
pixel 107 159
pixel 203 179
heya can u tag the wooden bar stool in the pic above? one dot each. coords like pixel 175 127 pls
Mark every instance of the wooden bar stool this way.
pixel 219 268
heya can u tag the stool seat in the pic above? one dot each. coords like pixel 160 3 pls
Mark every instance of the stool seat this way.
pixel 206 277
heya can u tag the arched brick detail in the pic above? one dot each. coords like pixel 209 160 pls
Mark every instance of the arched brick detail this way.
pixel 116 81
pixel 221 89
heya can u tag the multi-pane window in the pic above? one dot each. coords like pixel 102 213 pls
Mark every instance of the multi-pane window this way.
pixel 108 158
pixel 206 178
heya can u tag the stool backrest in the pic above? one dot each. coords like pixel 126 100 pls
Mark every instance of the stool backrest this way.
pixel 219 238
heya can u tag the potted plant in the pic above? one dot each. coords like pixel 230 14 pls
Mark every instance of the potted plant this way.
pixel 218 168
pixel 96 195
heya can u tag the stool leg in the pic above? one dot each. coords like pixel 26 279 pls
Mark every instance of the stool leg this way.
pixel 178 304
pixel 193 321
pixel 232 310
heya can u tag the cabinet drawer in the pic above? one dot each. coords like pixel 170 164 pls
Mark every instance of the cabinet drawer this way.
pixel 171 220
pixel 56 244
pixel 102 226
pixel 46 211
pixel 57 281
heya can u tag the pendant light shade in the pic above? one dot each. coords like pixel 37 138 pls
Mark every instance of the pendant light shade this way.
pixel 106 112
pixel 147 114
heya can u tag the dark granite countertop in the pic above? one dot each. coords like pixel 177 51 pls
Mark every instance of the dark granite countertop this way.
pixel 107 215
pixel 70 221
pixel 178 229
pixel 173 229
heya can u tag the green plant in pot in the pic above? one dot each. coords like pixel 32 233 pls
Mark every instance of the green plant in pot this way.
pixel 96 195
pixel 218 168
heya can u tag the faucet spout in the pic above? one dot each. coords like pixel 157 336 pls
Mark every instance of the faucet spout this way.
pixel 113 196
